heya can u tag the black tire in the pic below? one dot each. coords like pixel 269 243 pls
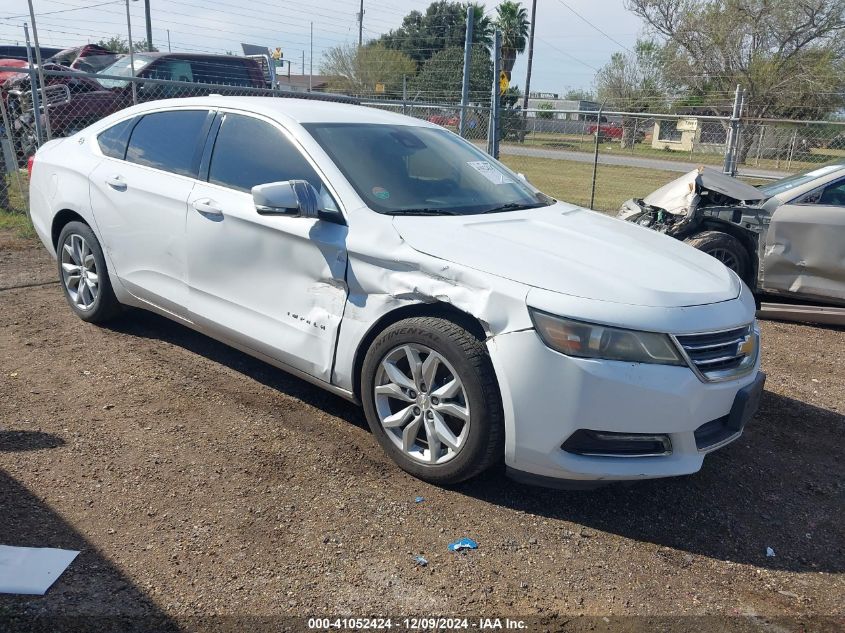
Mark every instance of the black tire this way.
pixel 105 305
pixel 727 249
pixel 467 355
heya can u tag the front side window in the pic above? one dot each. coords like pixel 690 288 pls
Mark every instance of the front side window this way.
pixel 113 141
pixel 170 141
pixel 408 169
pixel 251 152
pixel 832 194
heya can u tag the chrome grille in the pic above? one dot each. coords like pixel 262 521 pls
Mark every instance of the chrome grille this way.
pixel 721 355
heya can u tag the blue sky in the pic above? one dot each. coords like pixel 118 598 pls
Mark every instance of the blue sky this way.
pixel 567 49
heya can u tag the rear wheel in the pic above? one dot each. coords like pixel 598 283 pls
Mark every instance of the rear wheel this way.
pixel 432 401
pixel 727 249
pixel 83 274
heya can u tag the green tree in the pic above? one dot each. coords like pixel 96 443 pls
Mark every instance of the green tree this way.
pixel 354 70
pixel 441 76
pixel 119 44
pixel 512 21
pixel 544 110
pixel 579 94
pixel 633 83
pixel 442 26
pixel 788 55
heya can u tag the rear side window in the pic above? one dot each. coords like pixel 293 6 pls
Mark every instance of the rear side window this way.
pixel 113 141
pixel 229 72
pixel 251 152
pixel 170 141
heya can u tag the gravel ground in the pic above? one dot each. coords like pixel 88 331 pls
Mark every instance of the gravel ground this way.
pixel 198 482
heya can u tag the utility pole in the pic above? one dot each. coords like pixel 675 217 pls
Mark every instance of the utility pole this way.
pixel 467 64
pixel 311 61
pixel 493 131
pixel 168 41
pixel 361 25
pixel 40 72
pixel 149 25
pixel 530 59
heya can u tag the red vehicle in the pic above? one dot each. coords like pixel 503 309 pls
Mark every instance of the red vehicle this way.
pixel 606 130
pixel 446 120
pixel 78 99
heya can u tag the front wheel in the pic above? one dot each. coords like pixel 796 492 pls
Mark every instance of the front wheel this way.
pixel 432 401
pixel 83 274
pixel 727 249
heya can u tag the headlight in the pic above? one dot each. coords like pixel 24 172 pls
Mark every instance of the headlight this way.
pixel 588 340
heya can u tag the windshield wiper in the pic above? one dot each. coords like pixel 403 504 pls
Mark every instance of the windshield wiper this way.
pixel 425 211
pixel 514 206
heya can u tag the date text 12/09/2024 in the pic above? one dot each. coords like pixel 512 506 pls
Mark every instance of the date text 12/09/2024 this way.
pixel 417 624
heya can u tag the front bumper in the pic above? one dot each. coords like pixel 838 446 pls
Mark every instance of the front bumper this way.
pixel 547 396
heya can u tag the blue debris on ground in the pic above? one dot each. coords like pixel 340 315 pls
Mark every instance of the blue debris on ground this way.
pixel 421 561
pixel 462 544
pixel 419 500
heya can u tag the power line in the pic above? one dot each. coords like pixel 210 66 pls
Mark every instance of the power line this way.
pixel 615 41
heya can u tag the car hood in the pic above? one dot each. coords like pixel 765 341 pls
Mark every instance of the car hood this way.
pixel 676 196
pixel 577 252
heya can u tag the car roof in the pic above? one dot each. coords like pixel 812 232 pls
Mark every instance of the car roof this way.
pixel 305 110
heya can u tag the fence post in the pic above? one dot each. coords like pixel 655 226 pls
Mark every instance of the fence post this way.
pixel 467 64
pixel 730 151
pixel 47 127
pixel 791 148
pixel 596 156
pixel 405 95
pixel 33 84
pixel 493 128
pixel 4 189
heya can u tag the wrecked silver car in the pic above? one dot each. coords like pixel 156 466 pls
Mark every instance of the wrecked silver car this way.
pixel 786 238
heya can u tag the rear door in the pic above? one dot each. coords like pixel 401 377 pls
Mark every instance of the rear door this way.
pixel 271 283
pixel 140 195
pixel 805 246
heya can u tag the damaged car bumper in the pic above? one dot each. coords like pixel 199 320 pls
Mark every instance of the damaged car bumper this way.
pixel 574 421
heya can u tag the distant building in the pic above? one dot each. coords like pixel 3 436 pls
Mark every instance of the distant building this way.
pixel 300 83
pixel 536 99
pixel 688 134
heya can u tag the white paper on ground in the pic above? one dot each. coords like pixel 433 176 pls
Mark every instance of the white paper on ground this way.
pixel 31 570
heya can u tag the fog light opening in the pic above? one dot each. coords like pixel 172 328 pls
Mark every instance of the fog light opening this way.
pixel 612 444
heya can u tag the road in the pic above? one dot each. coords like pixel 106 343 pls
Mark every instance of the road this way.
pixel 200 483
pixel 627 160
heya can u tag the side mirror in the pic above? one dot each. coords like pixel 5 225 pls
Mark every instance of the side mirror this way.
pixel 293 198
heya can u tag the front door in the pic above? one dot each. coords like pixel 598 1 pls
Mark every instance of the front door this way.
pixel 804 252
pixel 271 283
pixel 140 199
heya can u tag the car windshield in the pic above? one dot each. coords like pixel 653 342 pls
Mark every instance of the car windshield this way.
pixel 122 68
pixel 790 182
pixel 416 170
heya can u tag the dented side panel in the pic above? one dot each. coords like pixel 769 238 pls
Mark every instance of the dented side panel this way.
pixel 805 252
pixel 386 274
pixel 272 284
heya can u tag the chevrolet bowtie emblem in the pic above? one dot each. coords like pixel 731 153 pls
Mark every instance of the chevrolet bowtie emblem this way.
pixel 748 345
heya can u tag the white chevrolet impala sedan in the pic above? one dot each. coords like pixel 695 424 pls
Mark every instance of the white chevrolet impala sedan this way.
pixel 387 260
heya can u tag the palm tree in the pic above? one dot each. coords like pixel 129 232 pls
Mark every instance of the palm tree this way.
pixel 512 21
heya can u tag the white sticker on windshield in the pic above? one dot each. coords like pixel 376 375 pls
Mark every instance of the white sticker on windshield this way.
pixel 490 172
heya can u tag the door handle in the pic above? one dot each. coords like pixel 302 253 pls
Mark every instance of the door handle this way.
pixel 116 182
pixel 206 206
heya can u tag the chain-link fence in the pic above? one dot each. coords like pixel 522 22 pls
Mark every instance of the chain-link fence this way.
pixel 587 157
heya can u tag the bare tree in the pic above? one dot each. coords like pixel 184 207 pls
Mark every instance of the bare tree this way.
pixel 633 83
pixel 789 55
pixel 358 71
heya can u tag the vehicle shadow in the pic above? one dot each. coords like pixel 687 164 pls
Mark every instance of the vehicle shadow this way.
pixel 780 485
pixel 91 595
pixel 145 324
pixel 17 441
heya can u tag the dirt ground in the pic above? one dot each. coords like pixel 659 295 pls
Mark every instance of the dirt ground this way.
pixel 198 482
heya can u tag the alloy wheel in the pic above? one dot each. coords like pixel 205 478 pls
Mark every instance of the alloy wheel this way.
pixel 79 272
pixel 422 404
